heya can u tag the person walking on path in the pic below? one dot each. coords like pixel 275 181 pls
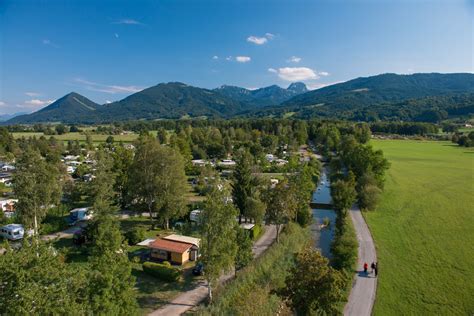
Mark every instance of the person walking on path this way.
pixel 366 266
pixel 372 266
pixel 376 269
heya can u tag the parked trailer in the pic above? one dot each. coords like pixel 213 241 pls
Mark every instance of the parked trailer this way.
pixel 12 231
pixel 79 214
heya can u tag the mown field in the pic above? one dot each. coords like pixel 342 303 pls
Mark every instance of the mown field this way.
pixel 78 136
pixel 424 230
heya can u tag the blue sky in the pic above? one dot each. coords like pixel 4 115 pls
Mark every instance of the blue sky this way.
pixel 107 50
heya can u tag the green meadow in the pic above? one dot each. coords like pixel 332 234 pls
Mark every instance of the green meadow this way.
pixel 98 138
pixel 424 230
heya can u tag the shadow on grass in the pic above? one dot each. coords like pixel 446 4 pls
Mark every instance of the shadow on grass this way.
pixel 154 293
pixel 73 253
pixel 450 145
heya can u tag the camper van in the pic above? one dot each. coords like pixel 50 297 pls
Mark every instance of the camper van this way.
pixel 12 231
pixel 195 216
pixel 79 214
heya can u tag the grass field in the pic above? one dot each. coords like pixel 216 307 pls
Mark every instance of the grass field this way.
pixel 424 230
pixel 79 136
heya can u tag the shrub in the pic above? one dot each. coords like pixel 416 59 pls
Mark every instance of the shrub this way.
pixel 326 221
pixel 53 223
pixel 163 271
pixel 344 246
pixel 369 197
pixel 256 232
pixel 304 216
pixel 135 235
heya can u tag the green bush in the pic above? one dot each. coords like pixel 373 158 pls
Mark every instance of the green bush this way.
pixel 163 271
pixel 344 246
pixel 53 224
pixel 304 216
pixel 256 232
pixel 135 235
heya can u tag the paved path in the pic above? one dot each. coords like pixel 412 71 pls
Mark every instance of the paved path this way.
pixel 362 297
pixel 194 297
pixel 63 234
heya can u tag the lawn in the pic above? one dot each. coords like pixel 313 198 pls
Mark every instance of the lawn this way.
pixel 79 136
pixel 424 230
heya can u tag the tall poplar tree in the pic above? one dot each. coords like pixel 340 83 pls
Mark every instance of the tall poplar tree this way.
pixel 242 184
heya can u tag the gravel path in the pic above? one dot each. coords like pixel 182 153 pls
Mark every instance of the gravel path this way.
pixel 362 297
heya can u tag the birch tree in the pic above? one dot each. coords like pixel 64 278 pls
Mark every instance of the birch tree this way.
pixel 36 184
pixel 218 235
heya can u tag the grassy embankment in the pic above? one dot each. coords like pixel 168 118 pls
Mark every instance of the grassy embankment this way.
pixel 424 230
pixel 251 293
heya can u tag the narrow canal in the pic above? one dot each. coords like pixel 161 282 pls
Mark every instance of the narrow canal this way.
pixel 324 216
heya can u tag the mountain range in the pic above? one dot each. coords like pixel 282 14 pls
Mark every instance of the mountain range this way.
pixel 268 96
pixel 422 97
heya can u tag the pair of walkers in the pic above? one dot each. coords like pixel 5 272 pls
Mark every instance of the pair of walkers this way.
pixel 374 266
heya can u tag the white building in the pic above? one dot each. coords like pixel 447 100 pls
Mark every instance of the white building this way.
pixel 227 163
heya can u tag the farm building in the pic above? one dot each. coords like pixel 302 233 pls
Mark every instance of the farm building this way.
pixel 176 249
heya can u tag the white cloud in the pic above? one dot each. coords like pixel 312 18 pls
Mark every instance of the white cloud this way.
pixel 257 40
pixel 37 102
pixel 2 103
pixel 323 73
pixel 296 73
pixel 270 36
pixel 32 94
pixel 294 59
pixel 108 101
pixel 215 57
pixel 228 58
pixel 49 43
pixel 112 89
pixel 242 59
pixel 272 70
pixel 128 22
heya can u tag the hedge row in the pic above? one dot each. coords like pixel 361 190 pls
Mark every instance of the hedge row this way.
pixel 344 245
pixel 163 271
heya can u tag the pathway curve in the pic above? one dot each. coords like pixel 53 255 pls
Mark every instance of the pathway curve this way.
pixel 189 299
pixel 362 297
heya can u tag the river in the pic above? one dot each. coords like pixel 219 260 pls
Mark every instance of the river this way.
pixel 321 202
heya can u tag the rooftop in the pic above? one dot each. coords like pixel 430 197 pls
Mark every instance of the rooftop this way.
pixel 170 245
pixel 183 239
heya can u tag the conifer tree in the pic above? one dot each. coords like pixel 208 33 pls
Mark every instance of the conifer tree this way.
pixel 111 284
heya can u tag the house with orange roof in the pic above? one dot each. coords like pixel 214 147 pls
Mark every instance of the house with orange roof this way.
pixel 175 249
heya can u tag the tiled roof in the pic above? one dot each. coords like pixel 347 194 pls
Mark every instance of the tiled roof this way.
pixel 183 239
pixel 170 245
